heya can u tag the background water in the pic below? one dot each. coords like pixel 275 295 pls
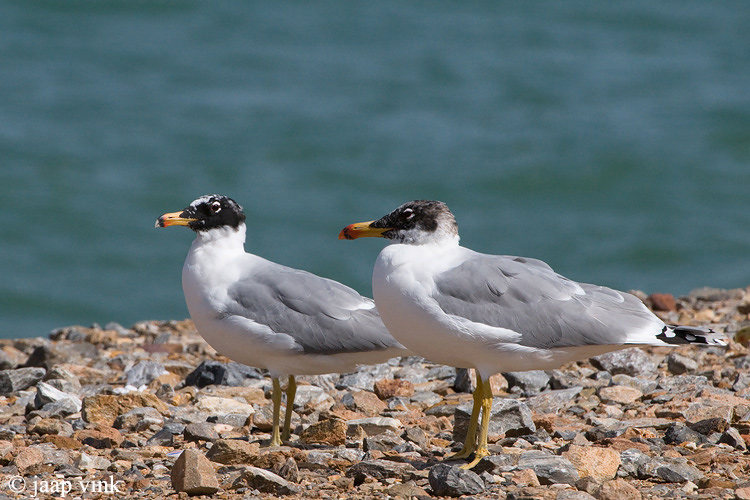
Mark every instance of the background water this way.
pixel 611 139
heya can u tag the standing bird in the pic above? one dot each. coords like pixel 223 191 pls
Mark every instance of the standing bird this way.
pixel 495 313
pixel 263 314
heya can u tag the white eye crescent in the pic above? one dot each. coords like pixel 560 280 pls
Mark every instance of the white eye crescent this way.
pixel 408 214
pixel 216 207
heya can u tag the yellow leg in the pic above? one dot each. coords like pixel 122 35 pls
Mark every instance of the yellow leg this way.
pixel 291 391
pixel 276 398
pixel 471 433
pixel 481 450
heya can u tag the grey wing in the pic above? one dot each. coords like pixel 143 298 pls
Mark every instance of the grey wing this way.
pixel 321 315
pixel 547 309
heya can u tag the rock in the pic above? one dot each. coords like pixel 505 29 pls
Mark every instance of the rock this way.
pixel 682 383
pixel 630 461
pixel 733 438
pixel 233 451
pixel 331 432
pixel 365 377
pixel 51 426
pixel 550 469
pixel 265 481
pixel 574 495
pixel 380 470
pixel 662 302
pixel 507 418
pixel 100 437
pixel 528 382
pixel 679 433
pixel 372 426
pixel 20 379
pixel 216 373
pixel 553 401
pixel 525 477
pixel 364 402
pixel 140 419
pixel 710 425
pixel 91 462
pixel 633 362
pixel 200 431
pixel 49 355
pixel 618 489
pixel 217 406
pixel 193 474
pixel 144 373
pixel 706 410
pixel 45 394
pixel 417 436
pixel 287 470
pixel 28 459
pixel 408 491
pixel 382 442
pixel 670 470
pixel 600 464
pixel 452 481
pixel 310 396
pixel 392 388
pixel 679 364
pixel 105 408
pixel 619 394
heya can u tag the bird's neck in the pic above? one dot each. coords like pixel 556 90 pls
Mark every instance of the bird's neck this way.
pixel 224 240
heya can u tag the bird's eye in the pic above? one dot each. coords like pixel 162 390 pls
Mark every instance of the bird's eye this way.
pixel 216 207
pixel 407 214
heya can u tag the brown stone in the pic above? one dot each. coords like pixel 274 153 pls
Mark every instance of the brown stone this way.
pixel 385 389
pixel 618 489
pixel 621 444
pixel 62 442
pixel 265 481
pixel 525 477
pixel 194 474
pixel 330 432
pixel 367 403
pixel 233 451
pixel 105 408
pixel 47 426
pixel 28 459
pixel 715 482
pixel 662 302
pixel 100 437
pixel 620 394
pixel 742 493
pixel 600 464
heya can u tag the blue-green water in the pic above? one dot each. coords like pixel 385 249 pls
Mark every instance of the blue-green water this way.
pixel 611 139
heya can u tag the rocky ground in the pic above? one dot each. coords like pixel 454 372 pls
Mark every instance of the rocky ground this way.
pixel 152 411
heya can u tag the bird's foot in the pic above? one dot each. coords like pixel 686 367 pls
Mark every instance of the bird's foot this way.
pixel 481 452
pixel 465 452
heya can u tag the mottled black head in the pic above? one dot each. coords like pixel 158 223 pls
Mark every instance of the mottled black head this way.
pixel 206 213
pixel 416 222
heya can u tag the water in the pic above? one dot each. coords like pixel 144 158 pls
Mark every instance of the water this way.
pixel 611 140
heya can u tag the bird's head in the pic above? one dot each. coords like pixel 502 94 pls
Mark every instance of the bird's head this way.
pixel 207 212
pixel 416 222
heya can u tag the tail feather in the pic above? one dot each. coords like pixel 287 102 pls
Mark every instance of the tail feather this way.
pixel 677 334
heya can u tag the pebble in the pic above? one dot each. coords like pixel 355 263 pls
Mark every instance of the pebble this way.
pixel 194 474
pixel 452 481
pixel 20 379
pixel 637 423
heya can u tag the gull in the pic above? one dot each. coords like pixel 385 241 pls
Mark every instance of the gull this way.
pixel 266 315
pixel 495 313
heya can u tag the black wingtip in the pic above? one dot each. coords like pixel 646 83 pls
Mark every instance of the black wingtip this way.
pixel 677 334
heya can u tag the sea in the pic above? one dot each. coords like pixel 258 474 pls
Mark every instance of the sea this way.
pixel 609 139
